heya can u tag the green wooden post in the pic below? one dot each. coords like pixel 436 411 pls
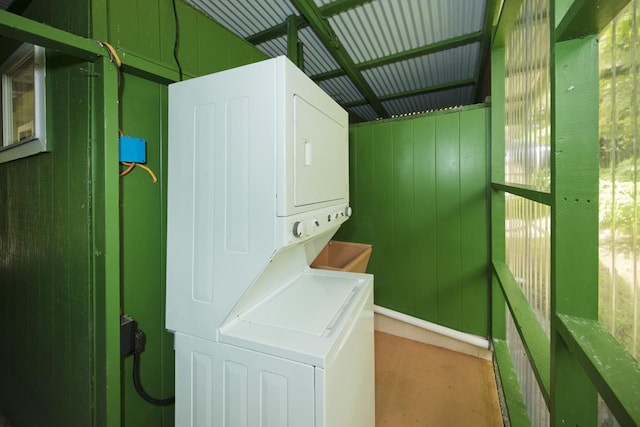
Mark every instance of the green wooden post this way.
pixel 293 43
pixel 574 220
pixel 497 197
pixel 516 408
pixel 106 245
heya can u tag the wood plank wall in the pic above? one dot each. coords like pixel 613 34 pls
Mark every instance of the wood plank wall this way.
pixel 47 304
pixel 419 191
pixel 145 28
pixel 45 273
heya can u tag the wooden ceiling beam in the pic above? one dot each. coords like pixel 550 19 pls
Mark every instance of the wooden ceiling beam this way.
pixel 331 42
pixel 428 49
pixel 328 10
pixel 425 91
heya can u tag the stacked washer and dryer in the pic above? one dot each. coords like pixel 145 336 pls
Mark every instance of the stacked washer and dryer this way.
pixel 258 184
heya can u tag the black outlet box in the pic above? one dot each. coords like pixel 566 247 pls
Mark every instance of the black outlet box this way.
pixel 128 328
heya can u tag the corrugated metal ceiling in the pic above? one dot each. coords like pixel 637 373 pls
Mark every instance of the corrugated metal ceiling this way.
pixel 378 58
pixel 386 27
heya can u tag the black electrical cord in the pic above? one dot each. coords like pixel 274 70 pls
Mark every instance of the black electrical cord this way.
pixel 176 41
pixel 139 347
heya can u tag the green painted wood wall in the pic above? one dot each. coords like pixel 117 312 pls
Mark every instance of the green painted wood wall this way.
pixel 419 191
pixel 47 292
pixel 143 222
pixel 48 297
pixel 145 29
pixel 45 268
pixel 46 285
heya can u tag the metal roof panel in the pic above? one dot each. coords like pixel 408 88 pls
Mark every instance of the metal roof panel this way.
pixel 246 17
pixel 385 27
pixel 274 47
pixel 317 58
pixel 364 111
pixel 341 89
pixel 430 70
pixel 370 31
pixel 431 101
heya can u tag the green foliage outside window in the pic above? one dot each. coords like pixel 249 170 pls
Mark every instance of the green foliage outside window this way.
pixel 619 301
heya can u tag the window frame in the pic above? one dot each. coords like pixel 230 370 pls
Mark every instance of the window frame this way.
pixel 584 359
pixel 13 150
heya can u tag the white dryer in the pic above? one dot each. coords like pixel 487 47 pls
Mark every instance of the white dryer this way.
pixel 258 184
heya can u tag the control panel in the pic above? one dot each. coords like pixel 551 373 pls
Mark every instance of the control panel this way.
pixel 298 228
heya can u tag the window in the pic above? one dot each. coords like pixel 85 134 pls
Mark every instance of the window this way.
pixel 22 92
pixel 619 180
pixel 527 117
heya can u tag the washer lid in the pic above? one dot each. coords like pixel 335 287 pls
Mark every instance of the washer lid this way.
pixel 310 304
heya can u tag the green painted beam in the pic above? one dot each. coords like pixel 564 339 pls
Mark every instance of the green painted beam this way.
pixel 527 191
pixel 574 218
pixel 132 63
pixel 150 70
pixel 292 39
pixel 507 18
pixel 330 40
pixel 27 30
pixel 451 43
pixel 339 6
pixel 498 321
pixel 516 407
pixel 326 11
pixel 534 339
pixel 271 33
pixel 498 309
pixel 294 45
pixel 485 46
pixel 105 229
pixel 615 373
pixel 432 89
pixel 585 17
pixel 328 75
pixel 300 58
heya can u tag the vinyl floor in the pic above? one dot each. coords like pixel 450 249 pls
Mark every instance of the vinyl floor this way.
pixel 422 385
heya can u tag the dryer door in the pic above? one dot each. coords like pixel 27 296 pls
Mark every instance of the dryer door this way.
pixel 320 156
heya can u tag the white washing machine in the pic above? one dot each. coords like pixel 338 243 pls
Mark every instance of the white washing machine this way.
pixel 258 184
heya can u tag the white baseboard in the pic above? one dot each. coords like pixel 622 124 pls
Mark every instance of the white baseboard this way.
pixel 399 324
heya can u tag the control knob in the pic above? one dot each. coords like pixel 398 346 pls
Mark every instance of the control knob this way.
pixel 299 228
pixel 348 211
